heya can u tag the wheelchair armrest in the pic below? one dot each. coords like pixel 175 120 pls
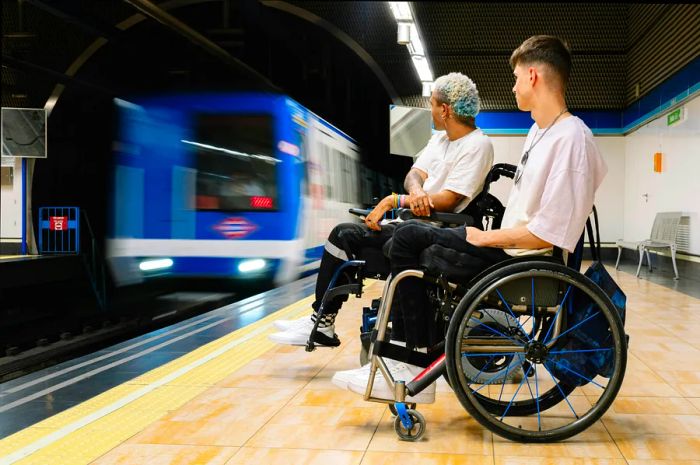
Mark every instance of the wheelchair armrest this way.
pixel 445 218
pixel 406 214
pixel 359 211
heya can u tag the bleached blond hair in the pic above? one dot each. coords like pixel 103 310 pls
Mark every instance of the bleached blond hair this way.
pixel 458 91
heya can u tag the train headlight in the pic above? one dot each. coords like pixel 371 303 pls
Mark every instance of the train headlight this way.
pixel 248 266
pixel 158 264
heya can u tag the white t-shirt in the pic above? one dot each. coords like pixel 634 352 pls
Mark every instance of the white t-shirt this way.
pixel 459 166
pixel 555 194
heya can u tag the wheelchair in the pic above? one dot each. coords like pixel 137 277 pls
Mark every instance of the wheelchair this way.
pixel 534 350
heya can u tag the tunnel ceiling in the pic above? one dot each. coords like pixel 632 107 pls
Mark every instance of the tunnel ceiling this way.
pixel 474 38
pixel 340 59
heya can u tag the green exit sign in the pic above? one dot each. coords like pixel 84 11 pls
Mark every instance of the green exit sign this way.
pixel 674 116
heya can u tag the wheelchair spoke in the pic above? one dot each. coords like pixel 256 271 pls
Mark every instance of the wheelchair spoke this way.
pixel 516 392
pixel 500 394
pixel 529 388
pixel 495 331
pixel 492 380
pixel 561 306
pixel 564 396
pixel 537 401
pixel 580 351
pixel 485 364
pixel 492 354
pixel 503 385
pixel 577 374
pixel 513 315
pixel 576 326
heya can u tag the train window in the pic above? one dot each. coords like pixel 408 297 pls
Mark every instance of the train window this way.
pixel 236 167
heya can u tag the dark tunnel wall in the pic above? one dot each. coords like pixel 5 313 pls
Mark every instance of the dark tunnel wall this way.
pixel 303 60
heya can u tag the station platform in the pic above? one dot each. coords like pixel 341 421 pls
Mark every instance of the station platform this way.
pixel 224 394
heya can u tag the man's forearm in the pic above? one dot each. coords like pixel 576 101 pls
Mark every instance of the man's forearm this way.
pixel 446 201
pixel 413 182
pixel 516 238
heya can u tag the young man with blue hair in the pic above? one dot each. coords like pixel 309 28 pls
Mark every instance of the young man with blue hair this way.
pixel 448 174
pixel 552 196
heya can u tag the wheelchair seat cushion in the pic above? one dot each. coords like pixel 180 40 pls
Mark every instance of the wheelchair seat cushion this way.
pixel 455 266
pixel 464 268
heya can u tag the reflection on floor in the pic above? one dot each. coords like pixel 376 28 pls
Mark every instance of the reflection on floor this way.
pixel 688 283
pixel 267 404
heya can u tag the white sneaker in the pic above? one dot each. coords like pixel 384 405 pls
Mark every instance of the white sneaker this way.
pixel 342 378
pixel 298 335
pixel 399 371
pixel 284 325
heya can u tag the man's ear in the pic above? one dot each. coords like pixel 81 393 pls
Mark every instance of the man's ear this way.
pixel 533 75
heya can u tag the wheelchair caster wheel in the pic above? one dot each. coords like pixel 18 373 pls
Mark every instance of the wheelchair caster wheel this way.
pixel 416 429
pixel 393 411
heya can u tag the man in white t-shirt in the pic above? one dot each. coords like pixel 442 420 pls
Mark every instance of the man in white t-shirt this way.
pixel 552 197
pixel 449 173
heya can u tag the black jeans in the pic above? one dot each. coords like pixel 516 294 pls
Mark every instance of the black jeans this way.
pixel 349 241
pixel 416 320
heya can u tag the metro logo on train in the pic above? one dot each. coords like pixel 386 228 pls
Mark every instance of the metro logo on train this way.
pixel 235 227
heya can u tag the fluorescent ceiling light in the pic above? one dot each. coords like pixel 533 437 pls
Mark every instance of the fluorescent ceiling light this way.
pixel 150 265
pixel 422 67
pixel 404 18
pixel 401 10
pixel 415 46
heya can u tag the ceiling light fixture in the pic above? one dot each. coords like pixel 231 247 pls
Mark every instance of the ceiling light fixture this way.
pixel 408 35
pixel 401 10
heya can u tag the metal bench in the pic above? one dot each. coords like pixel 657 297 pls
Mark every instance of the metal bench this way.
pixel 663 236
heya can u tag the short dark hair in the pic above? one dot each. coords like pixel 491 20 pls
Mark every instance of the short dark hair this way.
pixel 549 50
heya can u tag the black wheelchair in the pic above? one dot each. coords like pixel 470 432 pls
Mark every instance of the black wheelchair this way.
pixel 534 350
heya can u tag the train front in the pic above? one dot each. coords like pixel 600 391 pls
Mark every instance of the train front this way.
pixel 207 187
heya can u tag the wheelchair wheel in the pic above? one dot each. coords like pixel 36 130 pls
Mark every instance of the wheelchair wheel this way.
pixel 566 334
pixel 417 430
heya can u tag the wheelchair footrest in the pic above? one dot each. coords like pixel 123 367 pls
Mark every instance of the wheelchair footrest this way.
pixel 345 289
pixel 321 340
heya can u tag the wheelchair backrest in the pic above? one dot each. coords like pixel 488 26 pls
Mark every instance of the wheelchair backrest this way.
pixel 486 209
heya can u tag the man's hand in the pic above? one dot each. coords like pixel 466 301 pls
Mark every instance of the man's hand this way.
pixel 420 203
pixel 375 216
pixel 475 236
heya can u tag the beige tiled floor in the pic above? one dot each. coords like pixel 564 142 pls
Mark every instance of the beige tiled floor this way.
pixel 283 409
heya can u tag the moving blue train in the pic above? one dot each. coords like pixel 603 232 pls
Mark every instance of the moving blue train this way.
pixel 235 186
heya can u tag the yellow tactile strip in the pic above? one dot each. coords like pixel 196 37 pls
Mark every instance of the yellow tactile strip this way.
pixel 85 432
